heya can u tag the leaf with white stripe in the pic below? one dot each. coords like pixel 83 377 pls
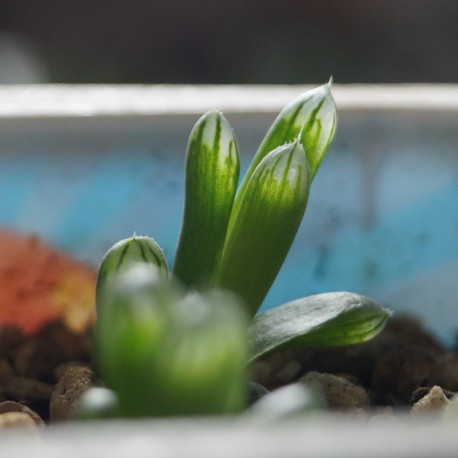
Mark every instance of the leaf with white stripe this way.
pixel 265 224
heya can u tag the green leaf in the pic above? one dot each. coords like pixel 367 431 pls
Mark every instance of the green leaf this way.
pixel 168 354
pixel 125 253
pixel 329 320
pixel 312 117
pixel 201 369
pixel 132 320
pixel 265 224
pixel 212 171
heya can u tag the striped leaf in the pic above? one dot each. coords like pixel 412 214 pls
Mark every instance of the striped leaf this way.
pixel 212 171
pixel 312 118
pixel 125 253
pixel 265 224
pixel 325 320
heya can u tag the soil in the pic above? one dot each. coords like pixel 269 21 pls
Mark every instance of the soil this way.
pixel 397 368
pixel 47 310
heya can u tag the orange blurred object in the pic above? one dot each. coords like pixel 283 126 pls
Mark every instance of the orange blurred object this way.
pixel 40 284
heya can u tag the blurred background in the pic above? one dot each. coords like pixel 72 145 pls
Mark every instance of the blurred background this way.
pixel 382 217
pixel 228 41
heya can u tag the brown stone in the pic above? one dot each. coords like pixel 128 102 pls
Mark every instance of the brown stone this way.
pixel 10 420
pixel 434 401
pixel 339 392
pixel 73 383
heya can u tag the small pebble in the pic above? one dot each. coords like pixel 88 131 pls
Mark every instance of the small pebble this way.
pixel 339 392
pixel 11 420
pixel 434 401
pixel 11 406
pixel 73 383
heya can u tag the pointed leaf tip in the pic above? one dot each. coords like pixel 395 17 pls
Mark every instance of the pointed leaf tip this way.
pixel 312 116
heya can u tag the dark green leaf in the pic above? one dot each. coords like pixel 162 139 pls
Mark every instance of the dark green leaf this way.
pixel 329 319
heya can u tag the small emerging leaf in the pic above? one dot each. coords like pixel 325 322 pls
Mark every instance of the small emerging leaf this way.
pixel 123 255
pixel 212 171
pixel 328 320
pixel 265 224
pixel 311 117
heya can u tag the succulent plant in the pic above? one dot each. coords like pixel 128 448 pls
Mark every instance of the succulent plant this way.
pixel 180 343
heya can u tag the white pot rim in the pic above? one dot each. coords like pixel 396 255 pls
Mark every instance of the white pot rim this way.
pixel 26 101
pixel 320 436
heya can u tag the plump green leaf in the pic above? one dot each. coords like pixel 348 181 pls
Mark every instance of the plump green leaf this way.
pixel 265 224
pixel 330 319
pixel 125 253
pixel 132 320
pixel 311 117
pixel 212 171
pixel 165 353
pixel 201 369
